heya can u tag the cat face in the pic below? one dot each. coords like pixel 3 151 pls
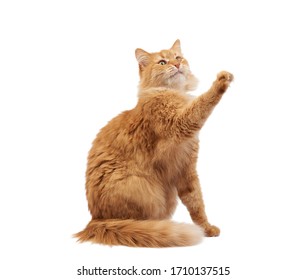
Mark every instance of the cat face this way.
pixel 167 68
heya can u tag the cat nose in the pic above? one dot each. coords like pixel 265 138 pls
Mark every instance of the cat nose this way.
pixel 177 65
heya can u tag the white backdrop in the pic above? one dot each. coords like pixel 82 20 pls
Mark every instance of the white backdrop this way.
pixel 68 67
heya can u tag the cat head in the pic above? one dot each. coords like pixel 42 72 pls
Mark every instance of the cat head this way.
pixel 167 68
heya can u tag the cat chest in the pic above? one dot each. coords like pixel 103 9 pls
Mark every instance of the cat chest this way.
pixel 171 159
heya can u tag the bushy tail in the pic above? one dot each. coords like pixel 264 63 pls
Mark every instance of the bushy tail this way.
pixel 141 233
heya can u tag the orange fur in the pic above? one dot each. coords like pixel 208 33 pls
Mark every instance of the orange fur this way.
pixel 146 157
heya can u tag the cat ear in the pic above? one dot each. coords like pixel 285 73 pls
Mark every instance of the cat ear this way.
pixel 177 46
pixel 142 57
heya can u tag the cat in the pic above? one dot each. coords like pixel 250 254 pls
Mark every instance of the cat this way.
pixel 145 158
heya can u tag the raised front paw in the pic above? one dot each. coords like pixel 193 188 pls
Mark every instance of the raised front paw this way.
pixel 211 231
pixel 223 81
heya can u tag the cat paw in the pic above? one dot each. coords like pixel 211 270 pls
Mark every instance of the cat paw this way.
pixel 211 231
pixel 225 76
pixel 223 81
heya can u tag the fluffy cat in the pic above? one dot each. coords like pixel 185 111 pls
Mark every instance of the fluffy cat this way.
pixel 145 158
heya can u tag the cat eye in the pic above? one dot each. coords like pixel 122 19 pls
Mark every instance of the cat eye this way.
pixel 178 58
pixel 162 62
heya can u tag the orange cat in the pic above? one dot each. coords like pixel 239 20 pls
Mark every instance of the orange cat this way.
pixel 146 157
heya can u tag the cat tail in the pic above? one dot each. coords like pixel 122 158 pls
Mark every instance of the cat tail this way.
pixel 141 233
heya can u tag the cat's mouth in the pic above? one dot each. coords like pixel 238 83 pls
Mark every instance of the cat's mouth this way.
pixel 178 72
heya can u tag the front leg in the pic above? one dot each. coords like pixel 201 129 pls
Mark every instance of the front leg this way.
pixel 189 191
pixel 195 114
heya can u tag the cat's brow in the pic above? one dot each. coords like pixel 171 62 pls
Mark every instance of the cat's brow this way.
pixel 166 55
